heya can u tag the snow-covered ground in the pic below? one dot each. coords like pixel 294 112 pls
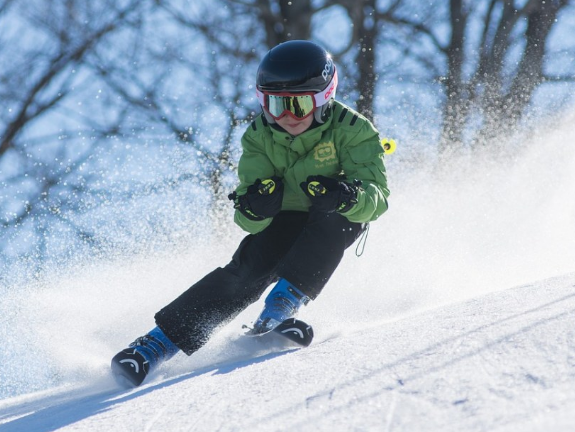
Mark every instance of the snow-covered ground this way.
pixel 499 362
pixel 459 316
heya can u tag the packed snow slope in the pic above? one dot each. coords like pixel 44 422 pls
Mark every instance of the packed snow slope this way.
pixel 499 362
pixel 459 316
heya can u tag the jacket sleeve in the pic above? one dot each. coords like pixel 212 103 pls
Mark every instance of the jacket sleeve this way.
pixel 363 159
pixel 253 164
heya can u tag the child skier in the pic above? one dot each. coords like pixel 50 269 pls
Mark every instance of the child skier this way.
pixel 311 177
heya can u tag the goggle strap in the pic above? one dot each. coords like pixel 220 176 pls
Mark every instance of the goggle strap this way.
pixel 261 97
pixel 323 97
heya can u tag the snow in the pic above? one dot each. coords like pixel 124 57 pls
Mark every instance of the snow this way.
pixel 459 316
pixel 499 362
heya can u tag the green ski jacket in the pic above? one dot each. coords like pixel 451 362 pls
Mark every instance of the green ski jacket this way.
pixel 345 145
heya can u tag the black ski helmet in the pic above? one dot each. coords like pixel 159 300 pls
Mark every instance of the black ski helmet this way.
pixel 298 66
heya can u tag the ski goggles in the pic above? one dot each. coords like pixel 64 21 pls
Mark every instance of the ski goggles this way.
pixel 297 105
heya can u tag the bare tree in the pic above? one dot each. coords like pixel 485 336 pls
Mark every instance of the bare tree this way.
pixel 490 65
pixel 93 80
pixel 44 45
pixel 226 69
pixel 499 91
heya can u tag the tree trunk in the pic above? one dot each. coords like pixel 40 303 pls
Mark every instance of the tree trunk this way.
pixel 456 105
pixel 365 32
pixel 293 22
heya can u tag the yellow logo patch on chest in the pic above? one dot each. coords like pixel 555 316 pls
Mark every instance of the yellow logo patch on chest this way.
pixel 324 152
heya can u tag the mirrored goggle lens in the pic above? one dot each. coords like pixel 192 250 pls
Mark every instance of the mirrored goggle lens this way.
pixel 299 106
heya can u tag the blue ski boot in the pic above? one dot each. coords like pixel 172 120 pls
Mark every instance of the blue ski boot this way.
pixel 283 302
pixel 131 365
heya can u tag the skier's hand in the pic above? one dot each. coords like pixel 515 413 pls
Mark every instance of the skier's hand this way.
pixel 329 195
pixel 262 200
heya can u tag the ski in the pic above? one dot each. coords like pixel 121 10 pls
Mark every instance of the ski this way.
pixel 292 329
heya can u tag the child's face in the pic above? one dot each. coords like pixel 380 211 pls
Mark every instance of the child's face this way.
pixel 294 126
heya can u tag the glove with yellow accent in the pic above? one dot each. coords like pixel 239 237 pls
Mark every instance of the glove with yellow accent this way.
pixel 262 200
pixel 330 195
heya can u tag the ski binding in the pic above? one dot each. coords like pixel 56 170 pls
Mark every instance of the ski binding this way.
pixel 292 329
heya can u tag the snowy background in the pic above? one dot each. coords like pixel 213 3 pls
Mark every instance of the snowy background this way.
pixel 460 315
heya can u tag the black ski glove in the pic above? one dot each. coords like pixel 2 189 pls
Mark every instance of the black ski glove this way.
pixel 328 194
pixel 262 200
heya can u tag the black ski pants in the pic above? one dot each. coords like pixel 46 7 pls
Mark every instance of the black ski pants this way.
pixel 303 248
